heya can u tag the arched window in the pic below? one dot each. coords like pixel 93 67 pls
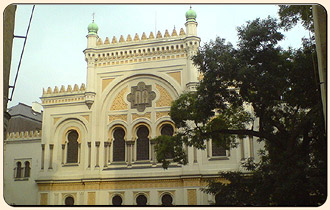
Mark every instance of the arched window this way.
pixel 141 200
pixel 117 200
pixel 18 170
pixel 27 169
pixel 167 130
pixel 119 145
pixel 218 150
pixel 142 143
pixel 69 201
pixel 72 150
pixel 167 200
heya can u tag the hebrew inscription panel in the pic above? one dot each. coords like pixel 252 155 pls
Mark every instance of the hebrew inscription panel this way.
pixel 141 96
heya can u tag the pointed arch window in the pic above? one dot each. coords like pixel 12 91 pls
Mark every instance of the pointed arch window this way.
pixel 27 169
pixel 119 145
pixel 167 130
pixel 72 147
pixel 18 170
pixel 142 143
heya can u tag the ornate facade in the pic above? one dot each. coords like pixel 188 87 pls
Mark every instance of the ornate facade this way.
pixel 96 146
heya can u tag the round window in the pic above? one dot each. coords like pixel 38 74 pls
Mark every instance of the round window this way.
pixel 69 201
pixel 141 200
pixel 167 200
pixel 117 200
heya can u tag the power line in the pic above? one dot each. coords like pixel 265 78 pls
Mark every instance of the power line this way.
pixel 20 60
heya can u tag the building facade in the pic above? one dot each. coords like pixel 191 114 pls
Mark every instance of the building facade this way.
pixel 96 146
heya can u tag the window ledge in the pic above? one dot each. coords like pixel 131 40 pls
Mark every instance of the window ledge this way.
pixel 218 158
pixel 118 163
pixel 142 162
pixel 70 164
pixel 22 179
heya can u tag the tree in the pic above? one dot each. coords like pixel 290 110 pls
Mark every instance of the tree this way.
pixel 283 90
pixel 290 15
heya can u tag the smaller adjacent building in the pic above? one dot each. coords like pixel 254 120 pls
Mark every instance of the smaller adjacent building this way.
pixel 22 154
pixel 25 118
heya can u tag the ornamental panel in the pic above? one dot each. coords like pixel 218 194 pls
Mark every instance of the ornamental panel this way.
pixel 141 96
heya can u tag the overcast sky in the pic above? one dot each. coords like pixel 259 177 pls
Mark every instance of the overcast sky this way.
pixel 54 51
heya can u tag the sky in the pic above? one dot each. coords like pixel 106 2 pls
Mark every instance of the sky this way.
pixel 53 54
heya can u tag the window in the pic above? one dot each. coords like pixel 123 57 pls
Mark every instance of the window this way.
pixel 218 150
pixel 117 200
pixel 142 143
pixel 72 150
pixel 69 201
pixel 119 145
pixel 22 172
pixel 167 130
pixel 167 200
pixel 18 170
pixel 27 169
pixel 141 200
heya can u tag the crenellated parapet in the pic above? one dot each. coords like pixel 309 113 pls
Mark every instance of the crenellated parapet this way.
pixel 144 37
pixel 27 135
pixel 63 95
pixel 141 49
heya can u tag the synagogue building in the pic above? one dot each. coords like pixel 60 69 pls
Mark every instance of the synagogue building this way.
pixel 95 146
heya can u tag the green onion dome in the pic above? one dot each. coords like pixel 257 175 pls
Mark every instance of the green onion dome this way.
pixel 92 28
pixel 191 15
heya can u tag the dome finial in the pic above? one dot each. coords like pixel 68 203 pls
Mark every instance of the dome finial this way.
pixel 191 15
pixel 92 27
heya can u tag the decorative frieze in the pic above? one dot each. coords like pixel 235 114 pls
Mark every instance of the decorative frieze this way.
pixel 142 49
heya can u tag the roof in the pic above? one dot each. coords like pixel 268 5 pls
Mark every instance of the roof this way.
pixel 24 110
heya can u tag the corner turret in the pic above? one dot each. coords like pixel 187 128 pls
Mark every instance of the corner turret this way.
pixel 92 34
pixel 191 23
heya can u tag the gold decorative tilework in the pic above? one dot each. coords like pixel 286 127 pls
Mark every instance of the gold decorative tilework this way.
pixel 91 198
pixel 122 184
pixel 118 117
pixel 86 117
pixel 106 82
pixel 176 76
pixel 43 198
pixel 146 115
pixel 192 197
pixel 119 103
pixel 161 114
pixel 165 98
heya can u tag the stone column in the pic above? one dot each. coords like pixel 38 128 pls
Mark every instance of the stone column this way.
pixel 97 145
pixel 51 147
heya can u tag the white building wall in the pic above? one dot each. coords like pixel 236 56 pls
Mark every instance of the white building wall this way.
pixel 22 191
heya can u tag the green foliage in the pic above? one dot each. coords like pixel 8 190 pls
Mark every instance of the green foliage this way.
pixel 282 88
pixel 290 15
